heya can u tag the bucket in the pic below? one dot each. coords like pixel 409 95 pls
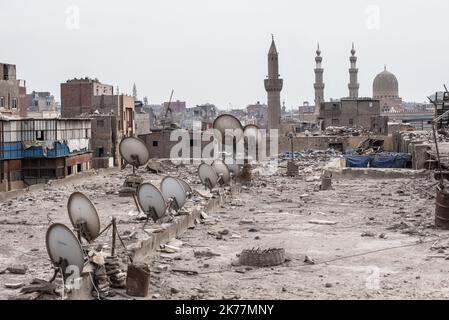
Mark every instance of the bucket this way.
pixel 138 280
pixel 442 209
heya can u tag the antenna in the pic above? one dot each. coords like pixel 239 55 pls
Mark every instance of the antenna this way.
pixel 169 109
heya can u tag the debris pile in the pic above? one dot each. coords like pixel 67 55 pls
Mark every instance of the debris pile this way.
pixel 117 278
pixel 345 131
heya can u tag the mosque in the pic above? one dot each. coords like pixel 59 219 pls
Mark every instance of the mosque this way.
pixel 385 96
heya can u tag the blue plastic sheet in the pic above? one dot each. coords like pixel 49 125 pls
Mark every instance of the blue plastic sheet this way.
pixel 381 160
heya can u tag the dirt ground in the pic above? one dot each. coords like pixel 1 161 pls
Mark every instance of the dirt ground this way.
pixel 379 241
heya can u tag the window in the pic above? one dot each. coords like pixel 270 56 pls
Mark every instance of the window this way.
pixel 40 135
pixel 335 122
pixel 2 102
pixel 351 122
pixel 14 103
pixel 155 143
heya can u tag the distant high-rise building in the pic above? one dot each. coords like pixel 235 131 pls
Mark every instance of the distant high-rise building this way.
pixel 353 83
pixel 273 86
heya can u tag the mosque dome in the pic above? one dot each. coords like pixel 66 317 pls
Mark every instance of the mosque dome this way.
pixel 385 85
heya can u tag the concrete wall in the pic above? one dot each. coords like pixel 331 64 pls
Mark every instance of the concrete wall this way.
pixel 354 113
pixel 325 142
pixel 142 122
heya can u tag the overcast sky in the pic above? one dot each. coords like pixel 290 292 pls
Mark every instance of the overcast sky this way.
pixel 215 50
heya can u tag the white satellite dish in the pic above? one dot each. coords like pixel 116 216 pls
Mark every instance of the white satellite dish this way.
pixel 63 248
pixel 208 175
pixel 222 170
pixel 173 190
pixel 134 151
pixel 151 201
pixel 84 216
pixel 227 122
pixel 186 186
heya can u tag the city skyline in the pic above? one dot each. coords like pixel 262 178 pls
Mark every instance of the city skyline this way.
pixel 218 54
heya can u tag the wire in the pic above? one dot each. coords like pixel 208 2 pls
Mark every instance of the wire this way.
pixel 95 287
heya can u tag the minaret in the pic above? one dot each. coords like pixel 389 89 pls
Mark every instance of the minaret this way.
pixel 353 84
pixel 273 86
pixel 319 84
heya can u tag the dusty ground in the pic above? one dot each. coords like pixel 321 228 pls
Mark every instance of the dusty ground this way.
pixel 379 248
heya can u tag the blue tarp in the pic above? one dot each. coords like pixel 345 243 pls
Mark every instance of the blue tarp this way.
pixel 381 160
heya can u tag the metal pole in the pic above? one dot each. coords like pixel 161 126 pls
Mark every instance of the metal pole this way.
pixel 114 235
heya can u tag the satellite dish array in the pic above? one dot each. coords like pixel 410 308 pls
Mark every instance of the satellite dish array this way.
pixel 64 247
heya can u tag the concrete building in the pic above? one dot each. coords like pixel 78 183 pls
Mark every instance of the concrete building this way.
pixel 113 119
pixel 12 91
pixel 349 112
pixel 319 84
pixel 353 71
pixel 386 89
pixel 77 95
pixel 257 114
pixel 40 102
pixel 112 115
pixel 273 86
pixel 34 151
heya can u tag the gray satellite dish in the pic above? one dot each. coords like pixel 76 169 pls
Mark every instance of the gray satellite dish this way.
pixel 186 186
pixel 84 216
pixel 228 122
pixel 235 169
pixel 151 201
pixel 251 130
pixel 222 170
pixel 134 151
pixel 63 248
pixel 173 189
pixel 208 175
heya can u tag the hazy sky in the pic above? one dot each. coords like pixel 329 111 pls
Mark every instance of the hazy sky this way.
pixel 215 50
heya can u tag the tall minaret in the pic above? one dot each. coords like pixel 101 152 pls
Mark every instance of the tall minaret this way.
pixel 353 84
pixel 319 84
pixel 273 86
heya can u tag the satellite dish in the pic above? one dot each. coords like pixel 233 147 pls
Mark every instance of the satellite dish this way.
pixel 235 169
pixel 84 216
pixel 151 201
pixel 172 188
pixel 63 248
pixel 208 175
pixel 186 186
pixel 222 170
pixel 228 122
pixel 251 130
pixel 134 151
